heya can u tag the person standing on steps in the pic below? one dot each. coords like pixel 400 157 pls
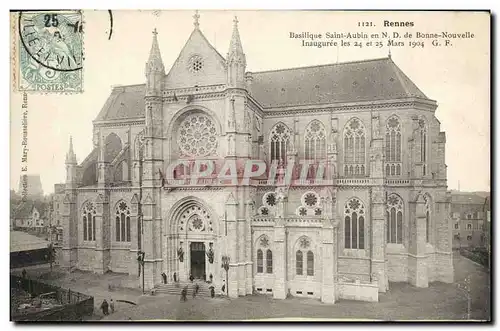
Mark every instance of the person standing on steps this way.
pixel 104 307
pixel 112 306
pixel 175 277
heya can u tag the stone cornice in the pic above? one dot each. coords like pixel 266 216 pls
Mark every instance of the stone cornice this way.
pixel 407 103
pixel 120 122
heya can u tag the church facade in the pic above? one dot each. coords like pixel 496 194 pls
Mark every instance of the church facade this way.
pixel 378 212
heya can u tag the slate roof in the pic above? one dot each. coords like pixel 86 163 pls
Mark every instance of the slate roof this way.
pixel 125 102
pixel 367 80
pixel 21 241
pixel 467 198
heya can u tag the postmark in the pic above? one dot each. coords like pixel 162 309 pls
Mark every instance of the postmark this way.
pixel 50 51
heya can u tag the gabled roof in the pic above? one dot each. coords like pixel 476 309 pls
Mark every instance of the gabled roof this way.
pixel 368 80
pixel 467 198
pixel 125 102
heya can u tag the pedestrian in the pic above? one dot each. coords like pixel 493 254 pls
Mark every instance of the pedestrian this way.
pixel 184 294
pixel 165 278
pixel 104 307
pixel 191 278
pixel 223 286
pixel 24 273
pixel 212 292
pixel 196 289
pixel 112 306
pixel 175 277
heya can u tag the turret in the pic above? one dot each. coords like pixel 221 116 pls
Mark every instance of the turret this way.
pixel 236 61
pixel 155 70
pixel 70 164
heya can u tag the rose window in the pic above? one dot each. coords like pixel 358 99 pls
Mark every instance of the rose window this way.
pixel 195 219
pixel 195 64
pixel 310 200
pixel 197 135
pixel 269 199
pixel 302 211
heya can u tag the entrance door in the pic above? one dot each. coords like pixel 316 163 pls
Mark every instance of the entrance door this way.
pixel 198 260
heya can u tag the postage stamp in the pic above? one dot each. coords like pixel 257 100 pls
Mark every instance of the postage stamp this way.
pixel 50 51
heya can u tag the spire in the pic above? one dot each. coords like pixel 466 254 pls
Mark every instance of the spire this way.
pixel 235 48
pixel 70 156
pixel 196 22
pixel 155 62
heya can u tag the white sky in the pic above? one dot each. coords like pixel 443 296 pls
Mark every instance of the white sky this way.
pixel 457 77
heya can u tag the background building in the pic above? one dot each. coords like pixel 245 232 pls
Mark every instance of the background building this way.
pixel 469 217
pixel 30 186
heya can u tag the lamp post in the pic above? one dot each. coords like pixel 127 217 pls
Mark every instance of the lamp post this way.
pixel 140 259
pixel 465 287
pixel 225 266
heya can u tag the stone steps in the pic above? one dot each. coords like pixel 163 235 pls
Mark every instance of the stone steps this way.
pixel 176 288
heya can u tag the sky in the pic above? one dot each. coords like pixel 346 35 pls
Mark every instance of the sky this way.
pixel 457 77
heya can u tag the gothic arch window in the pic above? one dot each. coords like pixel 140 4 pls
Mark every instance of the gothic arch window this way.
pixel 354 148
pixel 299 257
pixel 393 147
pixel 263 244
pixel 394 219
pixel 310 263
pixel 112 147
pixel 122 222
pixel 304 249
pixel 423 145
pixel 88 220
pixel 260 264
pixel 279 142
pixel 197 135
pixel 315 141
pixel 354 224
pixel 269 261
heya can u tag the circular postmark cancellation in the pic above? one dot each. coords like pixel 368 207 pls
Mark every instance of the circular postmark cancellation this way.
pixel 53 39
pixel 51 51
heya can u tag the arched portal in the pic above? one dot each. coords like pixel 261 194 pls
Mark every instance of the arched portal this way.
pixel 191 242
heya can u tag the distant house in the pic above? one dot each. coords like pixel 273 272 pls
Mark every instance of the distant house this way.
pixel 30 214
pixel 469 219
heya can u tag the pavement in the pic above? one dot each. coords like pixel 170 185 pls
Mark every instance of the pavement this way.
pixel 439 301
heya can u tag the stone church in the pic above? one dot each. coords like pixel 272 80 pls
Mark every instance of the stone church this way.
pixel 380 214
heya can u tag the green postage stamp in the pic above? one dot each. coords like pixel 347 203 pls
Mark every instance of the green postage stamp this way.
pixel 50 51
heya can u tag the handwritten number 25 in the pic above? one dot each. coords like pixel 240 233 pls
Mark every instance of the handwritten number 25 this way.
pixel 51 20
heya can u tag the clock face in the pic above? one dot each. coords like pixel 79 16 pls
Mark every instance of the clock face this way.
pixel 195 64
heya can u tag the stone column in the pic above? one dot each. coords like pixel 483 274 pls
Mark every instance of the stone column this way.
pixel 279 260
pixel 102 231
pixel 70 231
pixel 148 242
pixel 378 241
pixel 248 248
pixel 232 245
pixel 329 261
pixel 417 260
pixel 133 268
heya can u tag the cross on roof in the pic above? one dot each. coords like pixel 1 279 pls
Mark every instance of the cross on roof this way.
pixel 196 17
pixel 155 32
